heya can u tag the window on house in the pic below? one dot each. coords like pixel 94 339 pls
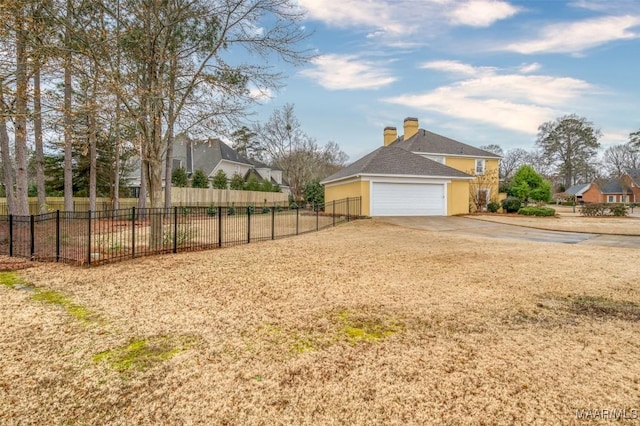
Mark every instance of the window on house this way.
pixel 479 167
pixel 611 199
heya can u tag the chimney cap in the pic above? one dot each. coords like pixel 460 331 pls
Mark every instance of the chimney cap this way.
pixel 410 119
pixel 390 128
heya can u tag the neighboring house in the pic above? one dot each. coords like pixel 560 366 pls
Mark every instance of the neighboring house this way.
pixel 624 189
pixel 585 193
pixel 212 155
pixel 418 174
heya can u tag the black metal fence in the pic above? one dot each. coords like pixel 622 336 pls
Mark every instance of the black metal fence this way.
pixel 93 238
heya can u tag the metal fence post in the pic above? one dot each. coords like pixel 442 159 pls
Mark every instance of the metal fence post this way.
pixel 333 213
pixel 273 223
pixel 89 237
pixel 318 217
pixel 10 235
pixel 57 235
pixel 32 239
pixel 297 219
pixel 133 232
pixel 347 209
pixel 175 229
pixel 220 226
pixel 248 225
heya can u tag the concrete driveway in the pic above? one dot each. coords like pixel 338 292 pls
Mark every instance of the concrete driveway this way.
pixel 468 226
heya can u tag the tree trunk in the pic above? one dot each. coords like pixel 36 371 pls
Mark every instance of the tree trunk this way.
pixel 92 128
pixel 142 196
pixel 68 122
pixel 37 130
pixel 20 122
pixel 170 125
pixel 7 163
pixel 116 166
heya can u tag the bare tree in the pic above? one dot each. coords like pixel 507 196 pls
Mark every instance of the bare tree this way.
pixel 287 147
pixel 494 148
pixel 480 189
pixel 511 161
pixel 634 139
pixel 618 159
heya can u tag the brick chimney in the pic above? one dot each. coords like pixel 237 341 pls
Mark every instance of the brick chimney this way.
pixel 390 135
pixel 410 127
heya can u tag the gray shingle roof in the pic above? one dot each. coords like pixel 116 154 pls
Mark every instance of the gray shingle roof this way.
pixel 613 186
pixel 432 143
pixel 577 188
pixel 392 160
pixel 634 174
pixel 206 154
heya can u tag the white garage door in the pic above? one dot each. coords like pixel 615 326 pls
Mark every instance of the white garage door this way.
pixel 407 199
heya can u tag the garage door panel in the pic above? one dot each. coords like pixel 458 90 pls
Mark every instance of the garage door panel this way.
pixel 401 199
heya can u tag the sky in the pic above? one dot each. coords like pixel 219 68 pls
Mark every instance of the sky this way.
pixel 478 71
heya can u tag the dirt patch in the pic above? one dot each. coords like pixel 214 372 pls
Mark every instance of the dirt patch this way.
pixel 366 323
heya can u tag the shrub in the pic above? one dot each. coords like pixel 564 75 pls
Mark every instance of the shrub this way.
pixel 183 236
pixel 251 210
pixel 231 211
pixel 619 210
pixel 528 184
pixel 594 209
pixel 220 180
pixel 199 179
pixel 179 177
pixel 266 210
pixel 511 204
pixel 493 206
pixel 293 206
pixel 537 211
pixel 212 210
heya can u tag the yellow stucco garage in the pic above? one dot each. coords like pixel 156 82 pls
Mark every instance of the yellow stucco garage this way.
pixel 418 174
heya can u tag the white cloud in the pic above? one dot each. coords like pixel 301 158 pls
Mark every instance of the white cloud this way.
pixel 512 101
pixel 391 19
pixel 529 68
pixel 455 67
pixel 348 72
pixel 578 36
pixel 260 94
pixel 359 13
pixel 482 13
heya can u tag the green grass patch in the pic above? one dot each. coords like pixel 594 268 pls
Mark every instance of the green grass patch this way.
pixel 358 328
pixel 326 331
pixel 143 354
pixel 62 300
pixel 9 279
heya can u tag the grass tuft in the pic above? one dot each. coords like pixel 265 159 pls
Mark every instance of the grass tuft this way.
pixel 59 299
pixel 143 354
pixel 356 328
pixel 9 279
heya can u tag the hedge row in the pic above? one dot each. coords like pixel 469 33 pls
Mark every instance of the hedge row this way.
pixel 598 209
pixel 537 211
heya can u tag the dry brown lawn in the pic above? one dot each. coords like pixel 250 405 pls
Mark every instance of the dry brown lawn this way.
pixel 366 323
